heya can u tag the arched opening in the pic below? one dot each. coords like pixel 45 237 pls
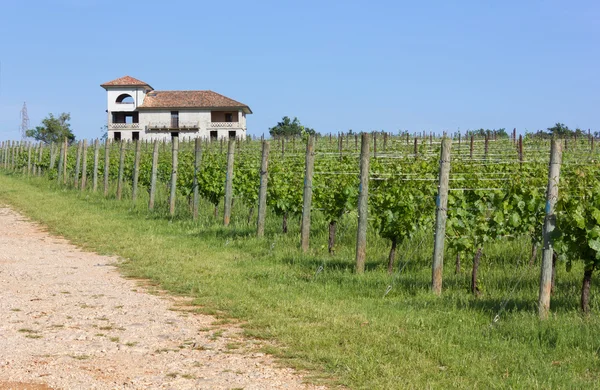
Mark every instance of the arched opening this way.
pixel 125 99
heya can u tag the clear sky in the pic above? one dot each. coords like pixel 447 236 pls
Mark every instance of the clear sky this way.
pixel 336 65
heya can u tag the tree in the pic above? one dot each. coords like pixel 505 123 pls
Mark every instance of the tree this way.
pixel 53 129
pixel 289 128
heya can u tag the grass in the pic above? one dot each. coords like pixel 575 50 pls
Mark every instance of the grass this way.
pixel 333 322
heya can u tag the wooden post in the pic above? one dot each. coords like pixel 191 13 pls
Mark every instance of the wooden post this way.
pixel 471 148
pixel 53 148
pixel 84 165
pixel 106 165
pixel 549 225
pixel 197 163
pixel 374 144
pixel 385 140
pixel 514 135
pixel 262 192
pixel 307 196
pixel 521 150
pixel 29 159
pixel 121 169
pixel 40 158
pixel 77 165
pixel 175 160
pixel 340 145
pixel 60 162
pixel 282 147
pixel 363 206
pixel 64 167
pixel 355 142
pixel 486 148
pixel 136 170
pixel 416 151
pixel 440 218
pixel 229 183
pixel 153 175
pixel 95 172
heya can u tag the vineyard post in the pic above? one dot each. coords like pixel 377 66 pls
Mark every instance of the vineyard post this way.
pixel 385 140
pixel 40 159
pixel 363 206
pixel 549 225
pixel 65 158
pixel 592 143
pixel 416 147
pixel 29 159
pixel 521 150
pixel 459 142
pixel 106 165
pixel 136 170
pixel 52 155
pixel 229 184
pixel 282 147
pixel 340 145
pixel 60 163
pixel 374 144
pixel 21 149
pixel 471 148
pixel 84 165
pixel 34 161
pixel 175 155
pixel 77 165
pixel 95 171
pixel 153 175
pixel 307 196
pixel 2 153
pixel 197 162
pixel 121 169
pixel 355 142
pixel 514 135
pixel 440 217
pixel 262 192
pixel 13 151
pixel 486 146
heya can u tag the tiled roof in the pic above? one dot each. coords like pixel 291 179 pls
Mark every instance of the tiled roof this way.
pixel 190 99
pixel 125 81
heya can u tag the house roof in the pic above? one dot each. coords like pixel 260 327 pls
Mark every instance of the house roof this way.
pixel 190 99
pixel 126 81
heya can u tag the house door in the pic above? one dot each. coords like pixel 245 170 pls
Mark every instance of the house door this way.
pixel 213 135
pixel 232 134
pixel 135 136
pixel 117 135
pixel 175 119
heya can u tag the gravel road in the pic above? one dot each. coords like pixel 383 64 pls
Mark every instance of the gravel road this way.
pixel 68 320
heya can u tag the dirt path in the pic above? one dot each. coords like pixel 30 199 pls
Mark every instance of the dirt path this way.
pixel 68 320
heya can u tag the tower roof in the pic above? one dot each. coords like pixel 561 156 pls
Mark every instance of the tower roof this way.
pixel 126 81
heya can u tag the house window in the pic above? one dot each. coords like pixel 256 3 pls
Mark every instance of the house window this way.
pixel 228 117
pixel 135 136
pixel 175 119
pixel 117 136
pixel 214 135
pixel 232 134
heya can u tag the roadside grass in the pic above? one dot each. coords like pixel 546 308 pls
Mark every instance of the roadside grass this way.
pixel 323 317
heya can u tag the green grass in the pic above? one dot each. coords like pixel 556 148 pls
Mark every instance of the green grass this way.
pixel 337 324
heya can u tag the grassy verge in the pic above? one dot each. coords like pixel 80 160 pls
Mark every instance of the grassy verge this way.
pixel 333 322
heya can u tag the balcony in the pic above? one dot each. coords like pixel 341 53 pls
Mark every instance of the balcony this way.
pixel 174 125
pixel 124 126
pixel 224 125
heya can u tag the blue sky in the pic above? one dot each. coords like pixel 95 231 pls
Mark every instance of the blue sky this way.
pixel 336 65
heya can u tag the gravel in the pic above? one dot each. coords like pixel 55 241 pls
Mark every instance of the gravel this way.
pixel 69 320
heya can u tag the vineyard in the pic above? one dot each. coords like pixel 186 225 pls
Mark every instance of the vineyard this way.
pixel 352 232
pixel 484 190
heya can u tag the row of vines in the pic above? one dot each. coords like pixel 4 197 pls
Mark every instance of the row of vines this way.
pixel 497 187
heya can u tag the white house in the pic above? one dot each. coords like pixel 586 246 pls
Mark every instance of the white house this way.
pixel 137 112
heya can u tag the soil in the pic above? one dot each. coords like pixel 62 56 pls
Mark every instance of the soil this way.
pixel 69 320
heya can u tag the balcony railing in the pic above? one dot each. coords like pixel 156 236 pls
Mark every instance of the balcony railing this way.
pixel 224 125
pixel 173 125
pixel 124 126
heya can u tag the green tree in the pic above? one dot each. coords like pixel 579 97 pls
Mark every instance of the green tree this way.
pixel 289 128
pixel 53 129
